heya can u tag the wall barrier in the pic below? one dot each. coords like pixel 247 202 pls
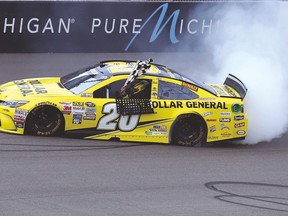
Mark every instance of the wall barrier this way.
pixel 97 27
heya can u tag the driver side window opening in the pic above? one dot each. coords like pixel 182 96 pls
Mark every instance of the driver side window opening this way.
pixel 172 91
pixel 139 89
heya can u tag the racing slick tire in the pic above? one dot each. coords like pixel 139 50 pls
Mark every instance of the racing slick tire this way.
pixel 45 121
pixel 189 130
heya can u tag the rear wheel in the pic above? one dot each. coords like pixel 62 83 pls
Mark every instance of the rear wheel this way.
pixel 45 121
pixel 189 130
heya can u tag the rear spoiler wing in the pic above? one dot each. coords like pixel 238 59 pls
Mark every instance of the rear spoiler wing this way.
pixel 235 83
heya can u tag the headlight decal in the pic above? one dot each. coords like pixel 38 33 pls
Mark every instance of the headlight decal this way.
pixel 13 103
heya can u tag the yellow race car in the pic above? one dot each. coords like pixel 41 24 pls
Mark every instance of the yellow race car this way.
pixel 128 101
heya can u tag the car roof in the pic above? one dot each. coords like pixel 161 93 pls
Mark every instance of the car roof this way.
pixel 120 67
pixel 117 67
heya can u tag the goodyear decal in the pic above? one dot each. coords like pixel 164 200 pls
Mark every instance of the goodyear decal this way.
pixel 46 103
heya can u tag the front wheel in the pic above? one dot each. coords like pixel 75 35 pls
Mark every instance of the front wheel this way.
pixel 189 130
pixel 44 121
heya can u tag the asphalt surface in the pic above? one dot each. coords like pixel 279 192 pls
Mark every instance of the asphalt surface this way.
pixel 71 177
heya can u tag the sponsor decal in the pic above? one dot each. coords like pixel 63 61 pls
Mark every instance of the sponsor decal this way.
pixel 66 107
pixel 236 108
pixel 78 107
pixel 241 132
pixel 157 130
pixel 20 112
pixel 219 90
pixel 30 87
pixel 239 118
pixel 225 119
pixel 190 86
pixel 19 117
pixel 77 119
pixel 212 128
pixel 229 91
pixel 212 137
pixel 158 133
pixel 46 103
pixel 154 94
pixel 225 113
pixel 90 95
pixel 189 104
pixel 211 120
pixel 78 104
pixel 89 117
pixel 207 114
pixel 226 134
pixel 223 127
pixel 167 104
pixel 90 110
pixel 238 125
pixel 90 104
pixel 206 105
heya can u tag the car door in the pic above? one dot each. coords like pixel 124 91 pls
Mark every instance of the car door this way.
pixel 111 122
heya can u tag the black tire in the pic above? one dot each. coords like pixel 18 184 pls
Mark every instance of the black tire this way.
pixel 189 130
pixel 44 121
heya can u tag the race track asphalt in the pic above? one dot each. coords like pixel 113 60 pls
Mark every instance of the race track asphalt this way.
pixel 70 177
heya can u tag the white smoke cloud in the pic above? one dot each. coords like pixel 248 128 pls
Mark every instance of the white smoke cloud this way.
pixel 252 43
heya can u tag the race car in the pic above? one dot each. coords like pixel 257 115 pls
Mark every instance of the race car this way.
pixel 135 101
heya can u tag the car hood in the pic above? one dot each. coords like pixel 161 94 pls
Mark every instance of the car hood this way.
pixel 33 87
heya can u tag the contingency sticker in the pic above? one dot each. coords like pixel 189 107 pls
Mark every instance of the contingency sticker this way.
pixel 19 117
pixel 66 107
pixel 78 107
pixel 77 119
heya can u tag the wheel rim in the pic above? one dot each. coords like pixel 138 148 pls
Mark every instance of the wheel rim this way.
pixel 188 133
pixel 44 121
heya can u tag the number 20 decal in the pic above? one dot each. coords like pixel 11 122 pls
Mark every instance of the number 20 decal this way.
pixel 108 121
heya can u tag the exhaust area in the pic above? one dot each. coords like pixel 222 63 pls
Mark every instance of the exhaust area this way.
pixel 251 43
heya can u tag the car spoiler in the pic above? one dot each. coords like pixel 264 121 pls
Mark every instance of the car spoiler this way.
pixel 235 83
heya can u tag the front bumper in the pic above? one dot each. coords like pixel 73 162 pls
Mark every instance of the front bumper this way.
pixel 7 125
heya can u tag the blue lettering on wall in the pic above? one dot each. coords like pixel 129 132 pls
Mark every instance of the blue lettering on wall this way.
pixel 159 27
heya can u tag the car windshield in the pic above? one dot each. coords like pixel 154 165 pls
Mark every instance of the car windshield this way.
pixel 82 80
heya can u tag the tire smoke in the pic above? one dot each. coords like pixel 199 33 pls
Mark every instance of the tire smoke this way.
pixel 251 43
